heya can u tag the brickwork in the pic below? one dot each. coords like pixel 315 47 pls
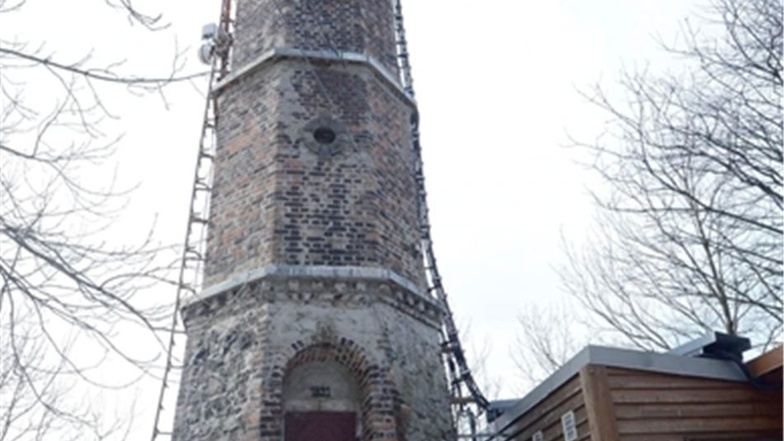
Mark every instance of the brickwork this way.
pixel 277 201
pixel 242 344
pixel 314 271
pixel 361 26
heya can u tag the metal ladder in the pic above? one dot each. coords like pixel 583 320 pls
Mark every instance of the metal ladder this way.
pixel 457 368
pixel 192 257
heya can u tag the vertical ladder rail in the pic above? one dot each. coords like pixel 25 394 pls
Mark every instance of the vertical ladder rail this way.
pixel 456 365
pixel 192 258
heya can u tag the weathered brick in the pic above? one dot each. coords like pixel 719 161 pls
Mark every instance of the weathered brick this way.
pixel 313 170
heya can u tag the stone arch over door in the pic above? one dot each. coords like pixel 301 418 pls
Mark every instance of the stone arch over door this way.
pixel 377 400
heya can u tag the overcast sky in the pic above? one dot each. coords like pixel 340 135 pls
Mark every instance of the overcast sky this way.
pixel 497 84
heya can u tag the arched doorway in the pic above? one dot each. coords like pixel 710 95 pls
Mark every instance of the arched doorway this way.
pixel 321 402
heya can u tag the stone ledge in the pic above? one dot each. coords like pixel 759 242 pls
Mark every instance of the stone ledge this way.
pixel 349 286
pixel 275 54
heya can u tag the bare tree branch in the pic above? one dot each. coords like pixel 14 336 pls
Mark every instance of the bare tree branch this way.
pixel 68 288
pixel 690 231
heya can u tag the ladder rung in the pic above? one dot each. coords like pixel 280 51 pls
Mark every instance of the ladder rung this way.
pixel 194 255
pixel 463 400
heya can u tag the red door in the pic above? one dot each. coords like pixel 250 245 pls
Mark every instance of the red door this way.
pixel 320 426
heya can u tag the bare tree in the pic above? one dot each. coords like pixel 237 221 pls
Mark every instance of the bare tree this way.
pixel 547 338
pixel 36 401
pixel 690 231
pixel 68 287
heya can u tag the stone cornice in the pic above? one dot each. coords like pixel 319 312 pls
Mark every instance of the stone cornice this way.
pixel 327 285
pixel 277 54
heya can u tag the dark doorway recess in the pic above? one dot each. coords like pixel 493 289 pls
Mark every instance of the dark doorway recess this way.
pixel 321 426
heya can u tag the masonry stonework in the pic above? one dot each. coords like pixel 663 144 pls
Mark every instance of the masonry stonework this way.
pixel 276 201
pixel 360 26
pixel 315 296
pixel 243 342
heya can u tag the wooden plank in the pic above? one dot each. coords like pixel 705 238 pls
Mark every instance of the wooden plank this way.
pixel 662 407
pixel 553 432
pixel 643 396
pixel 736 436
pixel 598 403
pixel 543 414
pixel 695 410
pixel 546 415
pixel 767 362
pixel 653 437
pixel 698 425
pixel 643 380
pixel 548 420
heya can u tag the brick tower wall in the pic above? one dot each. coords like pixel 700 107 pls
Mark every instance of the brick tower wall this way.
pixel 277 201
pixel 314 272
pixel 361 26
pixel 242 345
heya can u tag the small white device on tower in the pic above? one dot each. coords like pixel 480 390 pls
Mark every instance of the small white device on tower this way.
pixel 209 31
pixel 206 51
pixel 213 39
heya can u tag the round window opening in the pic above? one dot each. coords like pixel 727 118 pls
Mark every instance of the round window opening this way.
pixel 324 135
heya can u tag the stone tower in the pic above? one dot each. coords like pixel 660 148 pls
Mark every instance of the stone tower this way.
pixel 315 322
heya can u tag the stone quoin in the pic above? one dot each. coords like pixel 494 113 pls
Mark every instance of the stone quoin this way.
pixel 315 316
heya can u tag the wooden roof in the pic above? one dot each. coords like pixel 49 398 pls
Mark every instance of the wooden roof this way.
pixel 767 367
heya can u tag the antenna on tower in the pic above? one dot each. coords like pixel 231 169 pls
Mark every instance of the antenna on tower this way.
pixel 215 41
